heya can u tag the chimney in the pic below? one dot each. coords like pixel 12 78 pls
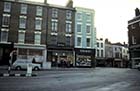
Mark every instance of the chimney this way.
pixel 69 4
pixel 45 1
pixel 137 12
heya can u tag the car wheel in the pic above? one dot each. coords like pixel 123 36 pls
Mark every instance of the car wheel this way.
pixel 18 68
pixel 36 68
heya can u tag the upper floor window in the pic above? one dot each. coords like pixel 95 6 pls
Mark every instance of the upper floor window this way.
pixel 54 40
pixel 21 36
pixel 54 25
pixel 132 26
pixel 97 44
pixel 37 38
pixel 38 23
pixel 7 6
pixel 78 41
pixel 88 17
pixel 68 26
pixel 102 53
pixel 68 14
pixel 22 22
pixel 79 27
pixel 88 42
pixel 68 41
pixel 101 45
pixel 23 9
pixel 88 28
pixel 38 10
pixel 98 54
pixel 6 20
pixel 134 40
pixel 54 12
pixel 79 16
pixel 4 35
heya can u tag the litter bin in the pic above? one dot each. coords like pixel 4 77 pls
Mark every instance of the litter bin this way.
pixel 29 70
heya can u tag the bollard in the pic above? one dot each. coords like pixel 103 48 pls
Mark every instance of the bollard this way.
pixel 29 70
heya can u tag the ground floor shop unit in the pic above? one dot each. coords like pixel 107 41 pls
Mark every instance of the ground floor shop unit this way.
pixel 134 55
pixel 60 57
pixel 85 57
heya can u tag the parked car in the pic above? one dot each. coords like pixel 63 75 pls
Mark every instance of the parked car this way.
pixel 19 65
pixel 138 66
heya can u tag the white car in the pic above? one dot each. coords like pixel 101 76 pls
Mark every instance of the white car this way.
pixel 18 65
pixel 138 66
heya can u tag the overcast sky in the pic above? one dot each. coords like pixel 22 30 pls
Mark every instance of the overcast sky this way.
pixel 111 16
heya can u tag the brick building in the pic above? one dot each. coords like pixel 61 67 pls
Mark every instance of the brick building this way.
pixel 134 38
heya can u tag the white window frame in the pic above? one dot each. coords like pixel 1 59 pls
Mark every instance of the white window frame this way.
pixel 133 40
pixel 54 25
pixel 39 10
pixel 23 9
pixel 37 42
pixel 21 24
pixel 79 42
pixel 6 37
pixel 38 26
pixel 88 15
pixel 79 16
pixel 68 26
pixel 54 12
pixel 68 14
pixel 77 27
pixel 88 37
pixel 3 20
pixel 7 6
pixel 89 30
pixel 21 40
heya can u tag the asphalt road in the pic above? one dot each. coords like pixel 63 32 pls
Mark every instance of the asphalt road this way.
pixel 99 79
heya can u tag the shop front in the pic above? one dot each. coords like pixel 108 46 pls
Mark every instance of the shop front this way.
pixel 60 57
pixel 85 57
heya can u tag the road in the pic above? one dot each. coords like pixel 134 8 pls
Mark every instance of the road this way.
pixel 99 79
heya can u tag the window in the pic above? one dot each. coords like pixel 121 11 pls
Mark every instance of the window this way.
pixel 21 36
pixel 6 20
pixel 38 23
pixel 23 9
pixel 54 25
pixel 88 17
pixel 102 53
pixel 68 14
pixel 78 41
pixel 97 44
pixel 88 29
pixel 68 41
pixel 133 40
pixel 79 27
pixel 39 11
pixel 7 6
pixel 54 12
pixel 101 45
pixel 68 27
pixel 98 53
pixel 79 16
pixel 88 42
pixel 37 37
pixel 4 35
pixel 22 22
pixel 133 26
pixel 54 40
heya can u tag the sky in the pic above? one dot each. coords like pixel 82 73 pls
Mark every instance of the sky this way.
pixel 111 16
